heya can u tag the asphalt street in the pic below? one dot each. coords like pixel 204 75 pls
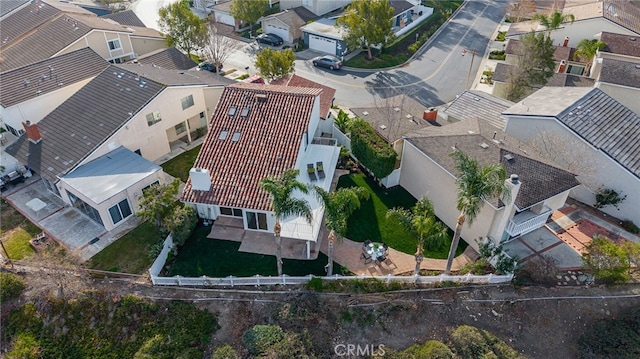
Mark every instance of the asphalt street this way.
pixel 434 77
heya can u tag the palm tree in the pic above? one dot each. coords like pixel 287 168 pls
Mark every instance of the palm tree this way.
pixel 338 206
pixel 588 48
pixel 422 222
pixel 554 20
pixel 476 184
pixel 284 205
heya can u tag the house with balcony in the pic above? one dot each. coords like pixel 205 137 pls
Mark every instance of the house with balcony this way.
pixel 590 125
pixel 537 188
pixel 124 110
pixel 47 28
pixel 258 131
pixel 31 92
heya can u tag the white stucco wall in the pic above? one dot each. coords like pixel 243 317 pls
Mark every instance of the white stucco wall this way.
pixel 422 177
pixel 605 172
pixel 583 29
pixel 37 108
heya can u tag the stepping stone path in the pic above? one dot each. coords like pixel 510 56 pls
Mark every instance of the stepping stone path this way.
pixel 573 278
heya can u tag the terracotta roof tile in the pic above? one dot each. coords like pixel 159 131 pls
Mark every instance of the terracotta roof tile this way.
pixel 270 137
pixel 326 97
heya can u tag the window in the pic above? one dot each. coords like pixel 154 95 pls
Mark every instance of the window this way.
pixel 201 115
pixel 114 45
pixel 144 190
pixel 153 118
pixel 245 112
pixel 223 135
pixel 232 111
pixel 180 128
pixel 15 132
pixel 228 211
pixel 85 208
pixel 120 211
pixel 256 220
pixel 236 137
pixel 575 69
pixel 187 102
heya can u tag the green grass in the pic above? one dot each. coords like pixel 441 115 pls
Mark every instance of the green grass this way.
pixel 129 253
pixel 180 165
pixel 17 244
pixel 16 231
pixel 219 258
pixel 370 222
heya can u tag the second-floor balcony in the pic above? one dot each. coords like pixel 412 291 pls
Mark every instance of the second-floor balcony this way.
pixel 325 141
pixel 527 221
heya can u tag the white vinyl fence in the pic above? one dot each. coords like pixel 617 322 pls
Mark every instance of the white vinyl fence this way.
pixel 231 281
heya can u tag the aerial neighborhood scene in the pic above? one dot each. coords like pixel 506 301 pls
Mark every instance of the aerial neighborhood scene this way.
pixel 320 179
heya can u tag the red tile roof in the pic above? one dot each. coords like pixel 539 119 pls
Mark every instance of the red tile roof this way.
pixel 270 137
pixel 326 97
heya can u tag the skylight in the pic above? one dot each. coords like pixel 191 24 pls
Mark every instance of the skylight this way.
pixel 236 137
pixel 245 112
pixel 232 111
pixel 223 135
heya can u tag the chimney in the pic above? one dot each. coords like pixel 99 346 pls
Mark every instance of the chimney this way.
pixel 562 66
pixel 565 42
pixel 501 220
pixel 200 180
pixel 431 114
pixel 33 134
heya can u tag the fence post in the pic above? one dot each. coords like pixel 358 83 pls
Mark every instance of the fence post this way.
pixel 231 279
pixel 489 278
pixel 284 279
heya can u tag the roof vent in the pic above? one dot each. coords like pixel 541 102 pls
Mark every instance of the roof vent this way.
pixel 632 39
pixel 484 145
pixel 261 97
pixel 365 113
pixel 508 157
pixel 637 66
pixel 514 179
pixel 397 109
pixel 383 127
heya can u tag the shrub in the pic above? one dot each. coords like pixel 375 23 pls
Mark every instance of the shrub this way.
pixel 372 150
pixel 242 77
pixel 314 284
pixel 608 197
pixel 612 338
pixel 11 286
pixel 259 338
pixel 501 36
pixel 630 227
pixel 607 260
pixel 25 346
pixel 432 349
pixel 469 342
pixel 225 352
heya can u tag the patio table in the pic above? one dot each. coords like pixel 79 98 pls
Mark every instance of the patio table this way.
pixel 375 250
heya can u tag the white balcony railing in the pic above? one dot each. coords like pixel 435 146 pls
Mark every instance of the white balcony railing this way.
pixel 526 221
pixel 326 141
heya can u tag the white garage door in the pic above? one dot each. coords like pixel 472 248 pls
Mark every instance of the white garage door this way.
pixel 322 44
pixel 278 30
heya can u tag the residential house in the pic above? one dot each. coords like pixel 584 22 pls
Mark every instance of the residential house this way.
pixel 322 35
pixel 221 13
pixel 31 92
pixel 591 127
pixel 147 110
pixel 477 104
pixel 127 18
pixel 45 29
pixel 591 18
pixel 287 23
pixel 536 187
pixel 169 58
pixel 326 96
pixel 7 7
pixel 258 131
pixel 317 7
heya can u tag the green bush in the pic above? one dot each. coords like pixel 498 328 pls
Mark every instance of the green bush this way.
pixel 225 352
pixel 11 286
pixel 473 343
pixel 314 284
pixel 25 346
pixel 372 150
pixel 242 77
pixel 259 338
pixel 501 36
pixel 432 349
pixel 630 227
pixel 612 338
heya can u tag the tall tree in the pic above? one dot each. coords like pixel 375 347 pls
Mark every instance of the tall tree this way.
pixel 249 11
pixel 421 222
pixel 367 23
pixel 273 64
pixel 284 204
pixel 181 27
pixel 158 202
pixel 476 184
pixel 535 65
pixel 338 207
pixel 554 20
pixel 587 50
pixel 218 47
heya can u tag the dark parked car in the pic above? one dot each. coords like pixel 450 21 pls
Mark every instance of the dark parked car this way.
pixel 208 66
pixel 269 39
pixel 330 62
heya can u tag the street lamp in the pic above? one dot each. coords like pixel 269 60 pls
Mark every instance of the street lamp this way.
pixel 473 55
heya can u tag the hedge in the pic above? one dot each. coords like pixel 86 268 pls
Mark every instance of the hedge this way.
pixel 371 150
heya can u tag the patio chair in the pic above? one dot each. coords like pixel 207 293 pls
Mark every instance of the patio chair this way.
pixel 320 170
pixel 366 243
pixel 312 172
pixel 366 257
pixel 381 259
pixel 385 246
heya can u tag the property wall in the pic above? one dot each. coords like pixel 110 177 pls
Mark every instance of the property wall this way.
pixel 604 172
pixel 628 96
pixel 37 108
pixel 421 177
pixel 152 140
pixel 145 45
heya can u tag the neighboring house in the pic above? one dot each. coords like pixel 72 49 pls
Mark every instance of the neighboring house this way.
pixel 41 30
pixel 127 18
pixel 326 97
pixel 169 58
pixel 31 92
pixel 149 111
pixel 563 56
pixel 592 126
pixel 259 131
pixel 324 36
pixel 427 169
pixel 221 14
pixel 472 104
pixel 93 190
pixel 287 23
pixel 402 12
pixel 317 7
pixel 501 80
pixel 7 7
pixel 591 18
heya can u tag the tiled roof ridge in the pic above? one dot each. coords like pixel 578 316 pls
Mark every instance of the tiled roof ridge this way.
pixel 34 30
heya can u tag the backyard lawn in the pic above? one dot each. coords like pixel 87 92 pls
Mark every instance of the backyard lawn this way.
pixel 370 222
pixel 180 165
pixel 219 258
pixel 129 253
pixel 16 231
